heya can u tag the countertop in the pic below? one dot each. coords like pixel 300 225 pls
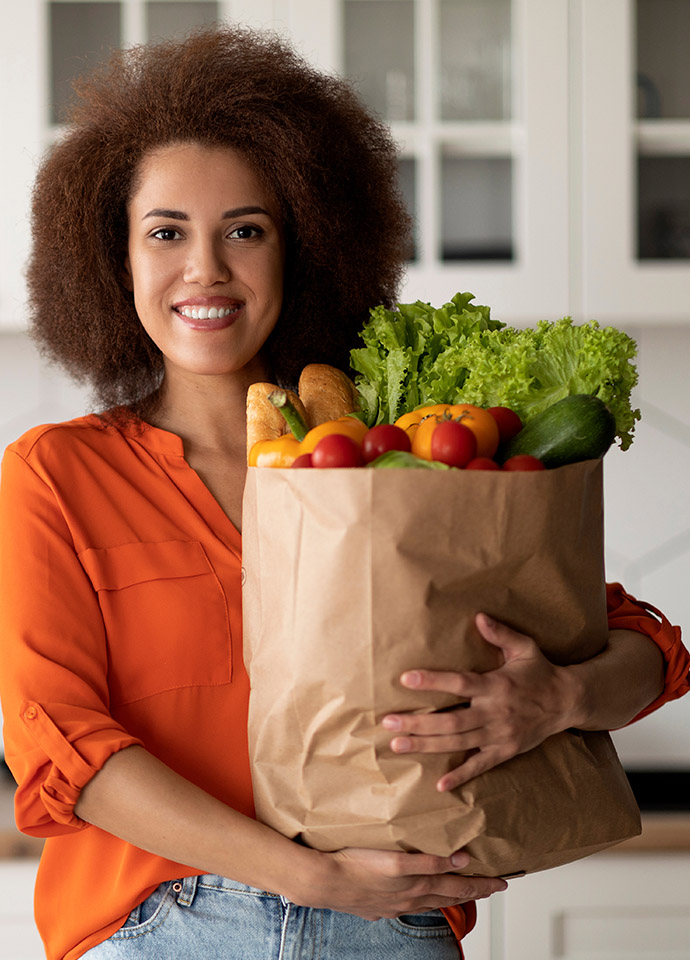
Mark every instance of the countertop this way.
pixel 661 832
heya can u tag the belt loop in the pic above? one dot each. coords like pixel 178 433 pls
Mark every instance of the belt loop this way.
pixel 186 890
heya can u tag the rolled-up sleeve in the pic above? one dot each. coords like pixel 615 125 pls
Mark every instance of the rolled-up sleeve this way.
pixel 58 730
pixel 627 613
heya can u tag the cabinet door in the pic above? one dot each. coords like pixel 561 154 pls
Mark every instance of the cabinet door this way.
pixel 476 93
pixel 635 81
pixel 45 44
pixel 619 906
pixel 21 122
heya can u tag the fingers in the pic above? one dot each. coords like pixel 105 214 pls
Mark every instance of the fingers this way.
pixel 512 643
pixel 477 763
pixel 450 885
pixel 425 864
pixel 385 883
pixel 461 685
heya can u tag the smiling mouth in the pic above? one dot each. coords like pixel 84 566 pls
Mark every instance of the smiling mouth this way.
pixel 208 318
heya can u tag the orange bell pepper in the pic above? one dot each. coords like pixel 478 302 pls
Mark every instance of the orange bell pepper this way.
pixel 421 424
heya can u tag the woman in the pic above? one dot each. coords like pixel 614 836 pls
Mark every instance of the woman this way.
pixel 217 214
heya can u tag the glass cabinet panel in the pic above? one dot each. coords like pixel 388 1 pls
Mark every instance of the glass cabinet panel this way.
pixel 476 217
pixel 475 59
pixel 81 35
pixel 378 41
pixel 407 179
pixel 663 107
pixel 664 207
pixel 663 64
pixel 167 18
pixel 440 71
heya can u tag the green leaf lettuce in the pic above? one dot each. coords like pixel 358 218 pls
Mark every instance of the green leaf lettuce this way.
pixel 418 355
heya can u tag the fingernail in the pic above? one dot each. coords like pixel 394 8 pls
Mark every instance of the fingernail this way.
pixel 460 859
pixel 489 621
pixel 401 744
pixel 411 679
pixel 392 723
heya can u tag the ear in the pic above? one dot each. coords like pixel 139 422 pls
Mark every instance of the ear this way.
pixel 126 276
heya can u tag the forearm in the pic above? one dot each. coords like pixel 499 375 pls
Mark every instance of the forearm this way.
pixel 613 687
pixel 141 800
pixel 137 798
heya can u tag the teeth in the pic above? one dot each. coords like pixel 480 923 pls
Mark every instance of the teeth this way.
pixel 205 313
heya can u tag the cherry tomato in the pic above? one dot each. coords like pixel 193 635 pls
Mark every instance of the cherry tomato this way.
pixel 303 460
pixel 453 443
pixel 482 424
pixel 479 421
pixel 382 438
pixel 507 420
pixel 523 461
pixel 482 463
pixel 347 426
pixel 336 450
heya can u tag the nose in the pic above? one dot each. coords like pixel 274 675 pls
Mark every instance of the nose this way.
pixel 206 264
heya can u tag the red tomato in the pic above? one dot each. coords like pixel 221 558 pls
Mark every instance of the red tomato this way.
pixel 523 461
pixel 507 421
pixel 303 460
pixel 482 463
pixel 336 450
pixel 382 438
pixel 453 443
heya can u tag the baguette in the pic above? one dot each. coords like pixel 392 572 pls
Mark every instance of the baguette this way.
pixel 264 421
pixel 326 392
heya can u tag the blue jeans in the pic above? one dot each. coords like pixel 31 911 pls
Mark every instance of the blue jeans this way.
pixel 214 918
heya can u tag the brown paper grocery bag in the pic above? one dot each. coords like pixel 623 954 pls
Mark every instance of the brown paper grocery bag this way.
pixel 352 576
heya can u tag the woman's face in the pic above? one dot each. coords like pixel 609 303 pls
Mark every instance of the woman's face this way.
pixel 205 257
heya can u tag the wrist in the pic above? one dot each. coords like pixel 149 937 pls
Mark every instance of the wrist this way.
pixel 311 874
pixel 574 698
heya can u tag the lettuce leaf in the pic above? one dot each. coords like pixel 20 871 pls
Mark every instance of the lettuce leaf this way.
pixel 397 366
pixel 417 355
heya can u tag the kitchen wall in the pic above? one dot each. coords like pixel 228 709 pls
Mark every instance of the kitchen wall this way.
pixel 647 500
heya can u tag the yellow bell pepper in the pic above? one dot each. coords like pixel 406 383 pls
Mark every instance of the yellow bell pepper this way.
pixel 279 452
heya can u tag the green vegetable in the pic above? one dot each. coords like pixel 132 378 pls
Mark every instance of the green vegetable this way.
pixel 579 427
pixel 293 417
pixel 418 355
pixel 401 458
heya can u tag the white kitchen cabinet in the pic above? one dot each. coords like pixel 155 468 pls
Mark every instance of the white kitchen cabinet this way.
pixel 538 138
pixel 611 906
pixel 45 44
pixel 634 93
pixel 477 101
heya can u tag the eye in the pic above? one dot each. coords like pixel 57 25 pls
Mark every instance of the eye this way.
pixel 246 232
pixel 165 233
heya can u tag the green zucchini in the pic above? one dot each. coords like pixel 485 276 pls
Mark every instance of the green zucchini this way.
pixel 578 427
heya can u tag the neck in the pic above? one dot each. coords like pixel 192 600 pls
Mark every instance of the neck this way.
pixel 207 412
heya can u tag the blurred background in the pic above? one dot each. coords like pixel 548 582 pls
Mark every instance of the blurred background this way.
pixel 545 158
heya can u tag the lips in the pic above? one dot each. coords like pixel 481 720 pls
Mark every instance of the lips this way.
pixel 208 313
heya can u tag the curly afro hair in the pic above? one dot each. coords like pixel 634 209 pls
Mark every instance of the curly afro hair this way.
pixel 331 165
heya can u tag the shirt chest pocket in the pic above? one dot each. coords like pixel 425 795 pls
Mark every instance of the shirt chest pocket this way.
pixel 165 617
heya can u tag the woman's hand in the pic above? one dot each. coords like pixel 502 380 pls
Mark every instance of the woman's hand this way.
pixel 380 883
pixel 510 710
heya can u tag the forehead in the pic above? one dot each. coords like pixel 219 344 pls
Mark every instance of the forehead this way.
pixel 197 170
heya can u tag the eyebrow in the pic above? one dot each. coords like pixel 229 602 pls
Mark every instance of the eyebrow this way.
pixel 181 215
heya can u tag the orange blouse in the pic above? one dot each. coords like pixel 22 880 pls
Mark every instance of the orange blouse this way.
pixel 121 621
